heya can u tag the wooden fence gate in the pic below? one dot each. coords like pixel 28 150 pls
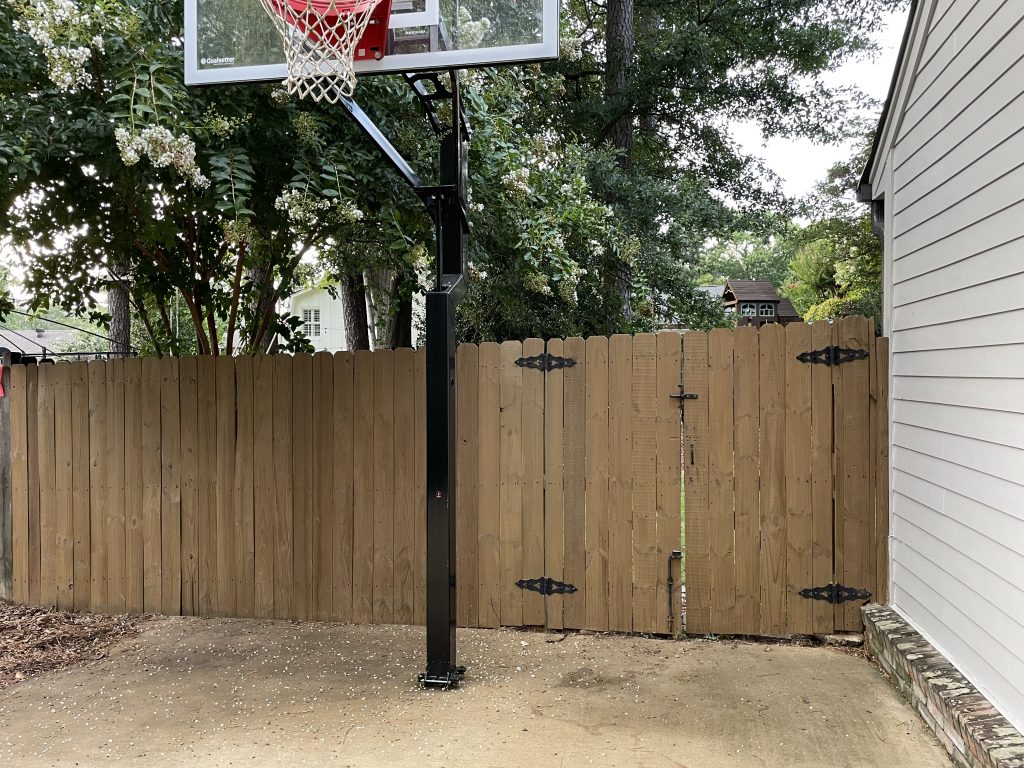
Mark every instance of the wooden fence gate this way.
pixel 786 475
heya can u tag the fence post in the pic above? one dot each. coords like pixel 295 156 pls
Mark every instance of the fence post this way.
pixel 6 496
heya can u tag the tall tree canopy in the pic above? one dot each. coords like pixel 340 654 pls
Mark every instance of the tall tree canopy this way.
pixel 595 180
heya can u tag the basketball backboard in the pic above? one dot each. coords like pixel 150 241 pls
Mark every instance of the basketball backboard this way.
pixel 229 41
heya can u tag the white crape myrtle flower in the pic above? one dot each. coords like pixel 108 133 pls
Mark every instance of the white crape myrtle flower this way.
pixel 571 48
pixel 308 210
pixel 65 31
pixel 163 149
pixel 471 33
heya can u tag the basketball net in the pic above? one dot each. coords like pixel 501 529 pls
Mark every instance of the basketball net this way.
pixel 320 39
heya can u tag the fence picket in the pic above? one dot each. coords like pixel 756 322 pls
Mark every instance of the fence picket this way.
pixel 696 513
pixel 596 474
pixel 302 490
pixel 669 476
pixel 822 480
pixel 466 508
pixel 134 540
pixel 747 461
pixel 533 482
pixel 64 542
pixel 116 598
pixel 170 490
pixel 798 505
pixel 80 482
pixel 323 486
pixel 362 478
pixel 189 411
pixel 553 485
pixel 344 365
pixel 19 485
pixel 574 452
pixel 722 504
pixel 264 499
pixel 773 479
pixel 404 463
pixel 620 524
pixel 510 489
pixel 149 399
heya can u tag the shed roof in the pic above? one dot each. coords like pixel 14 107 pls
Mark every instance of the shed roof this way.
pixel 751 290
pixel 786 309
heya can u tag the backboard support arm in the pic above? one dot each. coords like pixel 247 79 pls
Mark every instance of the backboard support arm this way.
pixel 446 204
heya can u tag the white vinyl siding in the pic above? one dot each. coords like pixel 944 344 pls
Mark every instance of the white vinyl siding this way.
pixel 953 180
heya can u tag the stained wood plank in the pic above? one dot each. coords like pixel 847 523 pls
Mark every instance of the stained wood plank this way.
pixel 533 483
pixel 80 483
pixel 264 492
pixel 854 502
pixel 188 387
pixel 695 476
pixel 283 503
pixel 597 483
pixel 170 488
pixel 19 486
pixel 621 470
pixel 574 483
pixel 63 429
pixel 420 569
pixel 323 486
pixel 363 439
pixel 47 451
pixel 669 471
pixel 510 489
pixel 648 571
pixel 133 491
pixel 245 535
pixel 467 360
pixel 341 594
pixel 773 479
pixel 97 481
pixel 880 429
pixel 302 484
pixel 722 503
pixel 821 479
pixel 208 458
pixel 226 404
pixel 404 464
pixel 746 392
pixel 116 598
pixel 383 487
pixel 152 528
pixel 553 485
pixel 489 452
pixel 798 490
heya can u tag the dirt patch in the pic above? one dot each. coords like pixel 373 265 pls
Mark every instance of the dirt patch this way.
pixel 35 640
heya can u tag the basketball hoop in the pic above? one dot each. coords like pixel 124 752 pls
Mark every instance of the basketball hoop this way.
pixel 324 38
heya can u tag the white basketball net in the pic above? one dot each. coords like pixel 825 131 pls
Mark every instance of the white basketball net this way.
pixel 320 39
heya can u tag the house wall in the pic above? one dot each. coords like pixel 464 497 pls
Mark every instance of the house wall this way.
pixel 332 320
pixel 952 174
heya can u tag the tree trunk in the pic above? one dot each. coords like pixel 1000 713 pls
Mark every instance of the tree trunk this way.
pixel 353 303
pixel 120 333
pixel 619 47
pixel 258 274
pixel 401 332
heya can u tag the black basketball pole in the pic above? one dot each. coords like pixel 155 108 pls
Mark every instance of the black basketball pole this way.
pixel 446 204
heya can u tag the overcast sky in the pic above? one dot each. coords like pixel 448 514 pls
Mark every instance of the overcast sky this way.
pixel 802 163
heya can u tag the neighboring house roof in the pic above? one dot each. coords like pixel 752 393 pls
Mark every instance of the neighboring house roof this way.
pixel 786 309
pixel 33 341
pixel 864 192
pixel 714 291
pixel 751 290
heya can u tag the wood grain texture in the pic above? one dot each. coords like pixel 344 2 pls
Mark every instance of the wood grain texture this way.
pixel 773 479
pixel 695 474
pixel 489 520
pixel 821 468
pixel 669 477
pixel 533 483
pixel 746 391
pixel 323 486
pixel 19 486
pixel 574 483
pixel 596 474
pixel 362 478
pixel 188 387
pixel 404 464
pixel 648 571
pixel 467 583
pixel 721 482
pixel 383 487
pixel 245 535
pixel 97 481
pixel 342 476
pixel 798 499
pixel 225 507
pixel 206 514
pixel 80 483
pixel 302 487
pixel 510 491
pixel 47 472
pixel 621 471
pixel 134 544
pixel 149 401
pixel 64 576
pixel 170 488
pixel 553 485
pixel 420 569
pixel 283 505
pixel 32 446
pixel 116 598
pixel 264 497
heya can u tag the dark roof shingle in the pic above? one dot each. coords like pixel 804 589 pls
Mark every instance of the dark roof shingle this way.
pixel 752 290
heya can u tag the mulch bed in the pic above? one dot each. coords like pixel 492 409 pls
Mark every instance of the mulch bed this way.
pixel 34 640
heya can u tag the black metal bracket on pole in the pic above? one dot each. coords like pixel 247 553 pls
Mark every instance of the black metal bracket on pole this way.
pixel 446 204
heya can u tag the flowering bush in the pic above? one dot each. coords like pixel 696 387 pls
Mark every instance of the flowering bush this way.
pixel 163 149
pixel 67 33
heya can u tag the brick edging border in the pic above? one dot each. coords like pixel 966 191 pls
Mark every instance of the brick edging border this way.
pixel 974 733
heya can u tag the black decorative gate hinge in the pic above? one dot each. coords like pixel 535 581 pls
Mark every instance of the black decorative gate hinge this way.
pixel 835 593
pixel 546 586
pixel 832 356
pixel 545 362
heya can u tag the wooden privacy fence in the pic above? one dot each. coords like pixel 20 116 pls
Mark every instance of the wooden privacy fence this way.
pixel 786 476
pixel 294 487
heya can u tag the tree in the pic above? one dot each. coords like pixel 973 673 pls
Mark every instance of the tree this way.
pixel 745 256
